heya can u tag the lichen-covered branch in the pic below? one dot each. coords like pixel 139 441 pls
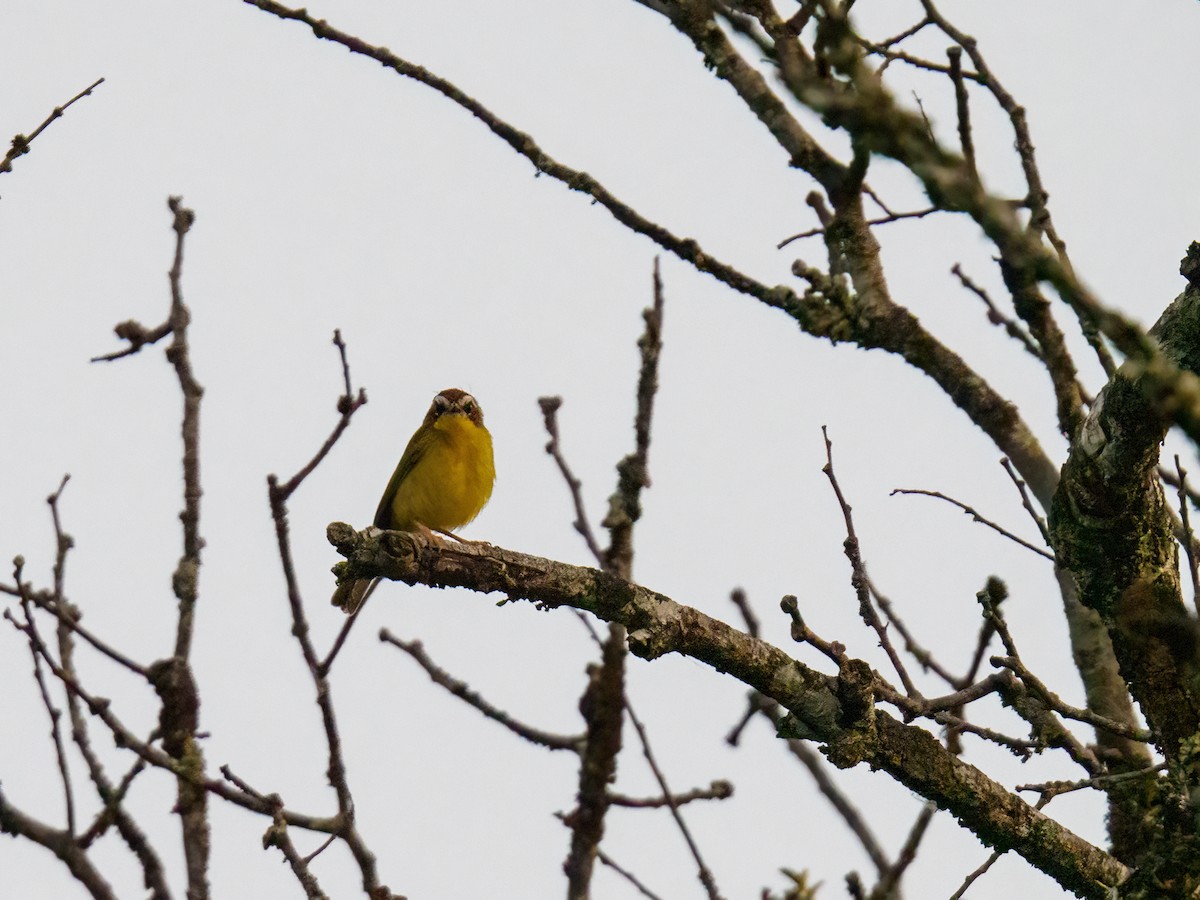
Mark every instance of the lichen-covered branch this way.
pixel 1113 529
pixel 837 711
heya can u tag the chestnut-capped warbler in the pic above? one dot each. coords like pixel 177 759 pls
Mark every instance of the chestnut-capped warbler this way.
pixel 443 479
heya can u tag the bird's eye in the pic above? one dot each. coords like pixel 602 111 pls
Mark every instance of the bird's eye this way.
pixel 441 402
pixel 469 407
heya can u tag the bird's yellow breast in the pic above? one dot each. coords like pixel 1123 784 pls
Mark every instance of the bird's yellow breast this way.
pixel 451 480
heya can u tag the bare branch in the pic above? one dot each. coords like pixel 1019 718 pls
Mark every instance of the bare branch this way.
pixel 20 143
pixel 858 576
pixel 890 882
pixel 911 645
pixel 549 407
pixel 627 875
pixel 884 220
pixel 974 514
pixel 1038 519
pixel 996 317
pixel 964 110
pixel 277 836
pixel 971 879
pixel 1056 703
pixel 850 814
pixel 278 495
pixel 463 691
pixel 347 405
pixel 138 336
pixel 61 844
pixel 703 872
pixel 602 705
pixel 624 506
pixel 55 714
pixel 657 625
pixel 1189 539
pixel 1052 789
pixel 718 790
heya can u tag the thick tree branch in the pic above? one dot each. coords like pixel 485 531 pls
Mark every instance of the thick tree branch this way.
pixel 1112 527
pixel 13 821
pixel 836 711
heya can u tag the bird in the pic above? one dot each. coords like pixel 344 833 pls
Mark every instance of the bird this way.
pixel 444 478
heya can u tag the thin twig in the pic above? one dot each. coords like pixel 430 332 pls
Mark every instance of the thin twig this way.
pixel 138 336
pixel 278 494
pixel 884 220
pixel 523 143
pixel 924 118
pixel 627 875
pixel 718 790
pixel 1040 713
pixel 55 714
pixel 1172 479
pixel 549 407
pixel 463 691
pixel 69 618
pixel 347 405
pixel 963 107
pixel 109 814
pixel 858 574
pixel 1040 221
pixel 889 884
pixel 849 813
pixel 21 142
pixel 608 861
pixel 178 353
pixel 1026 502
pixel 624 506
pixel 970 879
pixel 911 645
pixel 1014 329
pixel 997 681
pixel 817 768
pixel 1051 789
pixel 1189 539
pixel 916 708
pixel 277 836
pixel 889 56
pixel 1056 703
pixel 802 634
pixel 340 641
pixel 112 812
pixel 974 514
pixel 739 599
pixel 703 872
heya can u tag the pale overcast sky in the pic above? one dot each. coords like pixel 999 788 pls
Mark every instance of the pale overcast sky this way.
pixel 331 193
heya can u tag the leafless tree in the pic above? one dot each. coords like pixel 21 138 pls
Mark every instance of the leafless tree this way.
pixel 1104 516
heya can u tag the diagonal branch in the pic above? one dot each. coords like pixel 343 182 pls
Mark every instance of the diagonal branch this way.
pixel 463 691
pixel 20 143
pixel 976 516
pixel 890 327
pixel 834 711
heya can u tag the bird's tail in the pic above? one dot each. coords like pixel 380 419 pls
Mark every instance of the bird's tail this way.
pixel 350 595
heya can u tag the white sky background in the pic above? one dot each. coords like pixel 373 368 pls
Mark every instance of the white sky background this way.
pixel 329 192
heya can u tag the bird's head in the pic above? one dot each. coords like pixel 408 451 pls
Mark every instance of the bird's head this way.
pixel 454 402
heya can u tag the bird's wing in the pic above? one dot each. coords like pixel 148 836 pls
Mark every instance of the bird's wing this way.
pixel 412 455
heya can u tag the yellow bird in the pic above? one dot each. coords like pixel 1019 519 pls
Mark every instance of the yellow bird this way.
pixel 443 480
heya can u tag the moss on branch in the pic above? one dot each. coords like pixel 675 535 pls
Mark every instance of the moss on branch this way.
pixel 838 711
